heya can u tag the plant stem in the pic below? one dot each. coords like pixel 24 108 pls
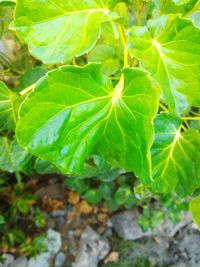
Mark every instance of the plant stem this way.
pixel 140 7
pixel 195 8
pixel 122 37
pixel 191 118
pixel 27 90
pixel 183 127
pixel 18 177
pixel 163 107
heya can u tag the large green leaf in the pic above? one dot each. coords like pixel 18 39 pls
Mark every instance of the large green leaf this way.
pixel 56 31
pixel 9 102
pixel 170 49
pixel 195 209
pixel 175 156
pixel 74 112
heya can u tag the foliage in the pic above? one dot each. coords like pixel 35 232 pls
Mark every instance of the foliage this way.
pixel 109 95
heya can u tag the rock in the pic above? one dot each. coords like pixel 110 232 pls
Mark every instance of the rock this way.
pixel 53 241
pixel 126 226
pixel 167 228
pixel 60 259
pixel 58 213
pixel 42 260
pixel 191 244
pixel 93 248
pixel 19 262
pixel 8 260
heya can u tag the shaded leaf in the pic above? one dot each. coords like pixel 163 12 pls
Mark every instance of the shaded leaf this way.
pixel 9 102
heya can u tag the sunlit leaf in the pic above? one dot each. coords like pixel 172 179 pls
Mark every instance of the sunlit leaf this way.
pixel 175 156
pixel 74 112
pixel 73 26
pixel 170 49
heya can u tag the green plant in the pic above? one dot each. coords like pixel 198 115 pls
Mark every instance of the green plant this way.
pixel 136 110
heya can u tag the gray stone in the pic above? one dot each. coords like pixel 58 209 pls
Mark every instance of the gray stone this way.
pixel 126 226
pixel 58 213
pixel 19 262
pixel 42 260
pixel 60 259
pixel 93 248
pixel 8 260
pixel 53 241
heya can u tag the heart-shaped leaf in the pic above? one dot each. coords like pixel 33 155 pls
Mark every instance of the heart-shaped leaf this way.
pixel 74 112
pixel 170 49
pixel 175 156
pixel 56 31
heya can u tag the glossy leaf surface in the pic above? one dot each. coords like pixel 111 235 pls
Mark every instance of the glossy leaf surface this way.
pixel 175 156
pixel 170 50
pixel 56 31
pixel 75 112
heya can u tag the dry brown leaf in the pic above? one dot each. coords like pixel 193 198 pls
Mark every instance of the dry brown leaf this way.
pixel 73 198
pixel 50 204
pixel 112 257
pixel 85 208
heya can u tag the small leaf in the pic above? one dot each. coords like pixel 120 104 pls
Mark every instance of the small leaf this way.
pixel 82 114
pixel 9 102
pixel 195 209
pixel 175 156
pixel 123 194
pixel 93 196
pixel 74 27
pixel 170 49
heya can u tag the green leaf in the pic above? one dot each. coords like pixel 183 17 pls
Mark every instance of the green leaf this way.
pixel 170 49
pixel 108 57
pixel 123 194
pixel 74 27
pixel 31 76
pixel 2 220
pixel 171 6
pixel 13 157
pixel 7 2
pixel 175 156
pixel 195 209
pixel 107 190
pixel 180 2
pixel 93 196
pixel 82 114
pixel 44 167
pixel 9 103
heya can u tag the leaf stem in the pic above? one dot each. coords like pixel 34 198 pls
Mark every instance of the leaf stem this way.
pixel 140 7
pixel 27 90
pixel 191 118
pixel 163 107
pixel 122 37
